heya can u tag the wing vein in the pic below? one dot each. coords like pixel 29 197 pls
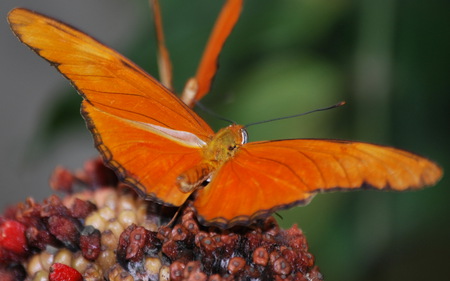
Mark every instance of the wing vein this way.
pixel 279 163
pixel 343 169
pixel 315 165
pixel 390 171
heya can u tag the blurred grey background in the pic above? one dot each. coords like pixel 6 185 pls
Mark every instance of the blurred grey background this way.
pixel 388 59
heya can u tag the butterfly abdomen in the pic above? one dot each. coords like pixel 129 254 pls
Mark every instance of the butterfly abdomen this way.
pixel 193 178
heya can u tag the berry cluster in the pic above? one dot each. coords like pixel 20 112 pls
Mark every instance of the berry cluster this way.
pixel 106 232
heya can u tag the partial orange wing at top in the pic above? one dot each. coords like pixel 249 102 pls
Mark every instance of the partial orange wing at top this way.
pixel 267 176
pixel 199 86
pixel 131 115
pixel 164 63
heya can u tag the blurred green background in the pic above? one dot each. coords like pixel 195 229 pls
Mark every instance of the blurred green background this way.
pixel 389 60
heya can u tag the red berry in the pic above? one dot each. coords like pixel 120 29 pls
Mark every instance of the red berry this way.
pixel 12 237
pixel 62 272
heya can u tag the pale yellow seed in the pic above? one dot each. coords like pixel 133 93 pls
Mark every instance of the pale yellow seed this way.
pixel 34 265
pixel 123 277
pixel 149 225
pixel 80 263
pixel 117 273
pixel 116 227
pixel 127 278
pixel 93 273
pixel 152 265
pixel 100 196
pixel 141 213
pixel 63 256
pixel 126 202
pixel 127 217
pixel 110 200
pixel 107 213
pixel 106 259
pixel 109 240
pixel 114 272
pixel 96 221
pixel 164 273
pixel 46 260
pixel 40 276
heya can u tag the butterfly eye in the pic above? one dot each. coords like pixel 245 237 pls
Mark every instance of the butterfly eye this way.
pixel 244 135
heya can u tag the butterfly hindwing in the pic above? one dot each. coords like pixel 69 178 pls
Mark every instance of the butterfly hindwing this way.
pixel 263 177
pixel 143 159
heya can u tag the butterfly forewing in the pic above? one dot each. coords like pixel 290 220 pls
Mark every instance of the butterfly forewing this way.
pixel 106 79
pixel 126 109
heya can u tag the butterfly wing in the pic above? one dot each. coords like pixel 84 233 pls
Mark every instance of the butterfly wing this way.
pixel 136 122
pixel 263 177
pixel 200 85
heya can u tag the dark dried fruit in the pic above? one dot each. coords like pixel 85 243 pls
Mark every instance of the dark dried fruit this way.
pixel 62 180
pixel 215 277
pixel 81 209
pixel 54 207
pixel 236 265
pixel 95 174
pixel 41 238
pixel 14 272
pixel 260 256
pixel 191 267
pixel 191 225
pixel 176 271
pixel 90 243
pixel 137 240
pixel 282 267
pixel 179 233
pixel 65 229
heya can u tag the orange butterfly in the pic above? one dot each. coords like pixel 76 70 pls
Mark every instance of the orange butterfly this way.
pixel 158 145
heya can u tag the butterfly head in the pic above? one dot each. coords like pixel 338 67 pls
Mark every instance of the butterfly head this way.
pixel 225 143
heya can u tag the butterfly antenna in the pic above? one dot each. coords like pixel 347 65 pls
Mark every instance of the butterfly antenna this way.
pixel 212 113
pixel 279 215
pixel 297 115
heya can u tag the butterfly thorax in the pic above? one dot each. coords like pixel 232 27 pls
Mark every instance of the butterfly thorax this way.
pixel 216 152
pixel 224 144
